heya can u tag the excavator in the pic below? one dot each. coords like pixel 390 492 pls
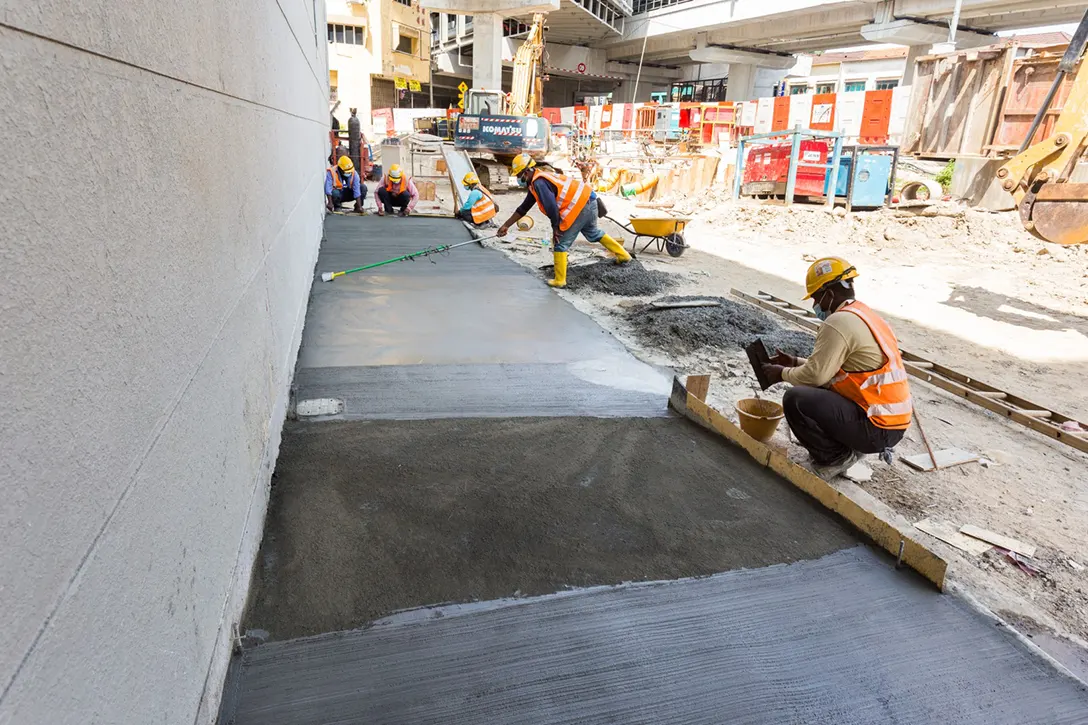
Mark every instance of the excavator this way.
pixel 1052 207
pixel 495 126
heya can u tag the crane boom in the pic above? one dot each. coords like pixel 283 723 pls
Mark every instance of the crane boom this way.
pixel 527 82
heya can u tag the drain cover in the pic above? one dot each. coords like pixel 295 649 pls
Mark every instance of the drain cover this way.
pixel 319 406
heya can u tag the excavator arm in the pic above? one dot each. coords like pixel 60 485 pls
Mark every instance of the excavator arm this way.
pixel 527 83
pixel 1051 207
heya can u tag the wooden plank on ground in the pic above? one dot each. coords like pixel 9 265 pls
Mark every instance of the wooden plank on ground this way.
pixel 1005 542
pixel 946 458
pixel 679 304
pixel 947 533
pixel 698 385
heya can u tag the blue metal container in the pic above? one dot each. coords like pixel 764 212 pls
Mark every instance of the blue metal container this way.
pixel 870 180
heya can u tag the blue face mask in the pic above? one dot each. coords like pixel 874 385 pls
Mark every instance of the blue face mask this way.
pixel 521 182
pixel 819 311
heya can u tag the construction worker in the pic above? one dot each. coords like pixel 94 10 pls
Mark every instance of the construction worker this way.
pixel 342 184
pixel 479 206
pixel 570 205
pixel 396 190
pixel 851 396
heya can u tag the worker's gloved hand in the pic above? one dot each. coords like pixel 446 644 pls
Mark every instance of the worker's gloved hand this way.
pixel 502 231
pixel 773 373
pixel 784 359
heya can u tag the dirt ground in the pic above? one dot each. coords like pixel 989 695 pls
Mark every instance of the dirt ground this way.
pixel 968 289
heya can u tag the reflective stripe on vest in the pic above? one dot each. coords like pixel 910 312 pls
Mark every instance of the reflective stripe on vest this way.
pixel 396 190
pixel 484 208
pixel 883 394
pixel 571 196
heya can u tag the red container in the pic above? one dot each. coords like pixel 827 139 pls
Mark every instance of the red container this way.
pixel 767 168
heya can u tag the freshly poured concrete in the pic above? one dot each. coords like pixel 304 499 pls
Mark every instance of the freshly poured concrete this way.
pixel 371 517
pixel 843 639
pixel 469 334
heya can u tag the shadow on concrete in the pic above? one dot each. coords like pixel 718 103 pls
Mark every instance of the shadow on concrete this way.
pixel 1002 308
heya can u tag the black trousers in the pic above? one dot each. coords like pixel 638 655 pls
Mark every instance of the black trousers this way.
pixel 393 200
pixel 829 426
pixel 345 195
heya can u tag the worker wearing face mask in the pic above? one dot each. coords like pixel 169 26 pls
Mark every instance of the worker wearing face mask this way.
pixel 570 205
pixel 851 396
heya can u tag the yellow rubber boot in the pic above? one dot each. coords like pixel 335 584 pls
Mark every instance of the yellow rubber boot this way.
pixel 622 255
pixel 560 270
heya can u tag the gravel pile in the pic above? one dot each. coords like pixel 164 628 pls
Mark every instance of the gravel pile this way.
pixel 730 326
pixel 625 280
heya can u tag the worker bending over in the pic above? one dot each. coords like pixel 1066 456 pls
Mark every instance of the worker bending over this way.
pixel 396 190
pixel 479 206
pixel 570 205
pixel 851 396
pixel 342 184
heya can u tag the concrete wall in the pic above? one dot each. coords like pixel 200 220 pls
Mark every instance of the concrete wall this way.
pixel 162 207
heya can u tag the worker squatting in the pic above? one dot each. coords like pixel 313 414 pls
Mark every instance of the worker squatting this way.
pixel 395 191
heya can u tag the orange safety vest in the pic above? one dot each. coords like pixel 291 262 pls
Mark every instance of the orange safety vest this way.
pixel 336 182
pixel 484 208
pixel 883 394
pixel 571 196
pixel 399 188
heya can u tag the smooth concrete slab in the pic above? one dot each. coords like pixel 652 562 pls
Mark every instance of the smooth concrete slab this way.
pixel 368 518
pixel 620 389
pixel 842 639
pixel 488 338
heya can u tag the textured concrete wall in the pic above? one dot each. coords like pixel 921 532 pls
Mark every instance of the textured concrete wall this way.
pixel 162 207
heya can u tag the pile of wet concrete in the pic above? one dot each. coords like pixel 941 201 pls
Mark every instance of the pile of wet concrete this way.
pixel 624 280
pixel 727 325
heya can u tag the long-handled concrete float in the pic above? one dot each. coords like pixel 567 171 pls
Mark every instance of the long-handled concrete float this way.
pixel 440 249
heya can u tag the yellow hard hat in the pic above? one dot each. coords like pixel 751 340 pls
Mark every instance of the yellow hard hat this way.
pixel 394 172
pixel 470 179
pixel 520 163
pixel 824 271
pixel 345 165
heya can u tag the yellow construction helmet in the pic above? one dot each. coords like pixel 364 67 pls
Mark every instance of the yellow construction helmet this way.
pixel 470 179
pixel 394 172
pixel 345 165
pixel 520 163
pixel 824 271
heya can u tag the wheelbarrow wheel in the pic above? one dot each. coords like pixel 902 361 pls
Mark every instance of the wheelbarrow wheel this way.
pixel 674 245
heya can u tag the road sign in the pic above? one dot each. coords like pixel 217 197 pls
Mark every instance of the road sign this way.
pixel 462 86
pixel 581 67
pixel 400 83
pixel 414 86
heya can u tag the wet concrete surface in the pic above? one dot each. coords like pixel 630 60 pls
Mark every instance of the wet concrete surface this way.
pixel 368 518
pixel 843 639
pixel 469 307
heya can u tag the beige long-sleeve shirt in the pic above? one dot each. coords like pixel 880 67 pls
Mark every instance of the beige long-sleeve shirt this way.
pixel 842 342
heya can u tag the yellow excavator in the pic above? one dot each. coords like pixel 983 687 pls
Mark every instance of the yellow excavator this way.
pixel 496 126
pixel 1052 207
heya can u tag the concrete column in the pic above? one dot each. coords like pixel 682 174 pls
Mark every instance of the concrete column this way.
pixel 487 51
pixel 915 52
pixel 741 85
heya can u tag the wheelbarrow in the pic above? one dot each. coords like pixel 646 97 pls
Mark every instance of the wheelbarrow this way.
pixel 667 231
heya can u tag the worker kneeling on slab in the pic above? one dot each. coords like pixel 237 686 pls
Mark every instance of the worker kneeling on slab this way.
pixel 479 206
pixel 570 205
pixel 342 184
pixel 851 396
pixel 396 190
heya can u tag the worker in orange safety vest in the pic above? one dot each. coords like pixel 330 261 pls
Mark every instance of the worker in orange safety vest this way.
pixel 396 190
pixel 569 204
pixel 479 207
pixel 342 184
pixel 850 396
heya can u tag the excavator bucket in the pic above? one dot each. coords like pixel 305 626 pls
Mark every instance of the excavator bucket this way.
pixel 1057 213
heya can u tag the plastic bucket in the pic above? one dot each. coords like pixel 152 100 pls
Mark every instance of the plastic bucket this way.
pixel 759 418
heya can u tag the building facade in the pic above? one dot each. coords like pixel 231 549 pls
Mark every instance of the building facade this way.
pixel 374 45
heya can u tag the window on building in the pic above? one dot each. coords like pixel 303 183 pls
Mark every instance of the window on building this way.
pixel 349 34
pixel 706 91
pixel 798 89
pixel 659 96
pixel 887 85
pixel 513 27
pixel 854 86
pixel 406 3
pixel 468 24
pixel 451 27
pixel 407 40
pixel 825 87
